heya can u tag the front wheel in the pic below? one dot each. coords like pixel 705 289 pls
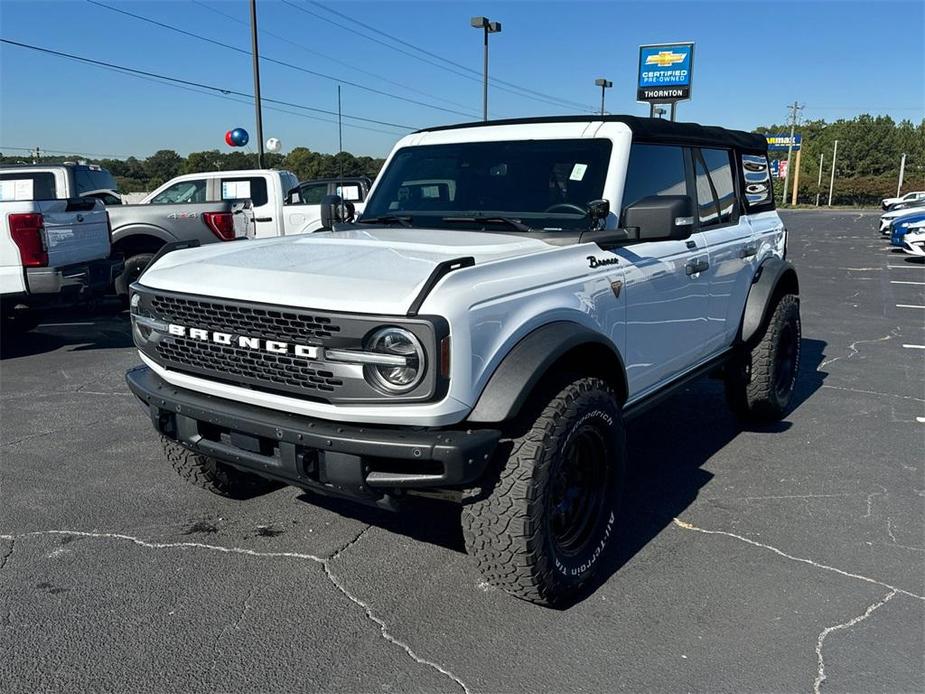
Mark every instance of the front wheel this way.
pixel 760 382
pixel 541 524
pixel 213 475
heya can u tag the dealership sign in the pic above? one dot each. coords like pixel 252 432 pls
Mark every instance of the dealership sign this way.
pixel 665 72
pixel 784 142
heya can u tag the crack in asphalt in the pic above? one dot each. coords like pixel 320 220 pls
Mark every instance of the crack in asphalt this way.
pixel 820 673
pixel 803 560
pixel 854 351
pixel 322 561
pixel 53 431
pixel 870 500
pixel 873 392
pixel 5 557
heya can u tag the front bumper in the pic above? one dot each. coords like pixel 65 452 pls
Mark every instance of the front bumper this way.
pixel 372 464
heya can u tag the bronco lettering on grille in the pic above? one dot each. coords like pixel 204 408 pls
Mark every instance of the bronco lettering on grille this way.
pixel 220 338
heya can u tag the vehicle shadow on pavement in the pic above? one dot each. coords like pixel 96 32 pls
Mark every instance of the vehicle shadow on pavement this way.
pixel 101 330
pixel 667 448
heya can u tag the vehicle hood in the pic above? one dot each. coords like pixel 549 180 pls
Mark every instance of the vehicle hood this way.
pixel 378 270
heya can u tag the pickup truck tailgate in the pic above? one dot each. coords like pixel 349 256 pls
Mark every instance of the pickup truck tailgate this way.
pixel 76 231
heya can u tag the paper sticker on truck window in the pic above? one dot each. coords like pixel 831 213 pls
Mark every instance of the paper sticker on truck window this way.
pixel 232 190
pixel 349 192
pixel 17 189
pixel 578 172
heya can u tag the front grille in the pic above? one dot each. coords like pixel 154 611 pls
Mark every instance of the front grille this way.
pixel 235 364
pixel 268 323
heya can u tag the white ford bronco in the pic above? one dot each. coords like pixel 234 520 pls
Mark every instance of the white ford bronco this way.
pixel 513 292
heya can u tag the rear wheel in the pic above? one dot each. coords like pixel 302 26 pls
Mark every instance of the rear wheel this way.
pixel 134 266
pixel 760 382
pixel 543 521
pixel 18 321
pixel 213 475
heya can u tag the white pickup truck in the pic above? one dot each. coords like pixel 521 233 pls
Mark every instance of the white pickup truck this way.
pixel 278 208
pixel 52 250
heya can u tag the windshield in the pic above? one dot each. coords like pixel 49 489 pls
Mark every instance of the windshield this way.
pixel 92 180
pixel 546 184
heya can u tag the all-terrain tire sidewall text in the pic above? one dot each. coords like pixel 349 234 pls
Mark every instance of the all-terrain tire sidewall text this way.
pixel 507 523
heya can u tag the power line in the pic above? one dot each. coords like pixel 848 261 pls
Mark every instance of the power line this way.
pixel 283 63
pixel 539 96
pixel 312 51
pixel 189 83
pixel 68 151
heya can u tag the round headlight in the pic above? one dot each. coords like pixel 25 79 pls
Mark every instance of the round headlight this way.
pixel 400 377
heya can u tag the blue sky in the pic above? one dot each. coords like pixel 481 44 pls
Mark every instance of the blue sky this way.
pixel 752 59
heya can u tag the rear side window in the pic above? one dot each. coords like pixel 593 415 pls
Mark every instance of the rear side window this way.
pixel 654 170
pixel 313 194
pixel 184 191
pixel 27 185
pixel 716 196
pixel 253 188
pixel 757 175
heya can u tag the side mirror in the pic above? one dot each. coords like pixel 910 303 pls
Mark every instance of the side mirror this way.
pixel 334 210
pixel 660 218
pixel 598 211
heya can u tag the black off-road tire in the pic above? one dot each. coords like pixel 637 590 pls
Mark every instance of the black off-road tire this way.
pixel 213 475
pixel 512 523
pixel 760 382
pixel 17 323
pixel 134 266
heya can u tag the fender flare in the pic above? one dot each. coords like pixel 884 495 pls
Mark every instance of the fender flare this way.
pixel 131 230
pixel 773 277
pixel 529 360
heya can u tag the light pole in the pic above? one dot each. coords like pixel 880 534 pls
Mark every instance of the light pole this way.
pixel 487 27
pixel 604 85
pixel 255 57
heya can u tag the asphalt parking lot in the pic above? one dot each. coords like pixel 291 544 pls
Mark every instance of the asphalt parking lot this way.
pixel 781 559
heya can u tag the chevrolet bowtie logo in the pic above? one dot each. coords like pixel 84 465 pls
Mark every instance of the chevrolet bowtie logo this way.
pixel 665 58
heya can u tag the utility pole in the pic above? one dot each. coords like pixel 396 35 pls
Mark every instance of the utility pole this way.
pixel 902 171
pixel 832 180
pixel 604 85
pixel 819 182
pixel 489 28
pixel 256 60
pixel 340 141
pixel 794 108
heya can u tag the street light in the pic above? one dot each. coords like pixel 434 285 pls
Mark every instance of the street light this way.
pixel 658 111
pixel 603 84
pixel 489 28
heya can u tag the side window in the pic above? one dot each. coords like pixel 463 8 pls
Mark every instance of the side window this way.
pixel 313 194
pixel 238 188
pixel 719 164
pixel 706 202
pixel 184 191
pixel 350 192
pixel 654 170
pixel 757 175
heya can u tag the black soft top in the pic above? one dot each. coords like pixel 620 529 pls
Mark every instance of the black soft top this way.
pixel 652 130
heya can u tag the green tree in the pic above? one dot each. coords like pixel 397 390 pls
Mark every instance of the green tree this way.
pixel 163 165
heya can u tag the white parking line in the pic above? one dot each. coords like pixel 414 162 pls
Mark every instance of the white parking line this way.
pixel 920 419
pixel 914 346
pixel 908 306
pixel 904 282
pixel 898 267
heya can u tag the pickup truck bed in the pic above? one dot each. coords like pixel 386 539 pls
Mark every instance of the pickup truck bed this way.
pixel 139 231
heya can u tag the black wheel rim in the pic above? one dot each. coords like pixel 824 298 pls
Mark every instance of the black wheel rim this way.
pixel 785 372
pixel 579 492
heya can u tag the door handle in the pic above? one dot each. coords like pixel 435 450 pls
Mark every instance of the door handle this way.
pixel 749 250
pixel 263 219
pixel 696 266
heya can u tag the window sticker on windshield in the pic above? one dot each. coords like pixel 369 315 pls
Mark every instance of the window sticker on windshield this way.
pixel 578 172
pixel 235 189
pixel 18 189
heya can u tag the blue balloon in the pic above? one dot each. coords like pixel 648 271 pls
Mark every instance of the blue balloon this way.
pixel 239 136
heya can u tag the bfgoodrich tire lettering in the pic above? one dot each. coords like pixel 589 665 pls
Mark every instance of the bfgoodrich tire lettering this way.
pixel 545 518
pixel 760 382
pixel 217 477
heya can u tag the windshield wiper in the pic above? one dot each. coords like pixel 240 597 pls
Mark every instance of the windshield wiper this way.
pixel 402 219
pixel 489 219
